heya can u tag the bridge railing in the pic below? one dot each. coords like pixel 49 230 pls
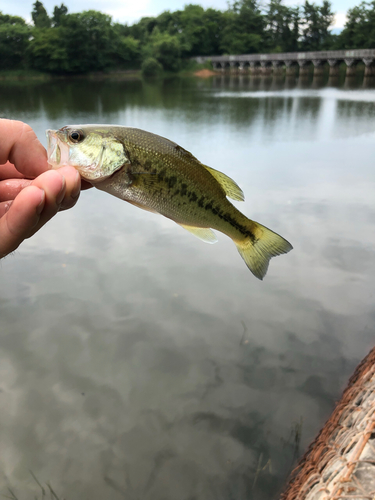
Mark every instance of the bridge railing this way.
pixel 252 62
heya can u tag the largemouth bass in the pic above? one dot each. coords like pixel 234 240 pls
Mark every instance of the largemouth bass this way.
pixel 157 175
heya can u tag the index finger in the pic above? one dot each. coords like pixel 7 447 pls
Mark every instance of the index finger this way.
pixel 20 146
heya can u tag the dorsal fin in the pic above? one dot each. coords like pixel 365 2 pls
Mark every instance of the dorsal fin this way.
pixel 230 187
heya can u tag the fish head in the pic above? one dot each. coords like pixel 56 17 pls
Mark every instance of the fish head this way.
pixel 93 150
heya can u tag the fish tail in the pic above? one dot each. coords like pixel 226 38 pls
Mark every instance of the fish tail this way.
pixel 258 248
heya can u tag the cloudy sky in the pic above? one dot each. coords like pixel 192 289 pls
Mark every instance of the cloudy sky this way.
pixel 129 11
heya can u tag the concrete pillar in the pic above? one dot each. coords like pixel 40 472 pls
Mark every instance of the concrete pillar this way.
pixel 318 81
pixel 318 67
pixel 368 82
pixel 265 68
pixel 216 66
pixel 333 81
pixel 350 82
pixel 254 69
pixel 290 81
pixel 370 66
pixel 351 67
pixel 232 67
pixel 290 68
pixel 241 67
pixel 334 66
pixel 304 67
pixel 278 68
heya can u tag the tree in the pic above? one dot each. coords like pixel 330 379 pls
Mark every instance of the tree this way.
pixel 214 22
pixel 88 38
pixel 359 30
pixel 40 16
pixel 244 28
pixel 316 21
pixel 14 39
pixel 47 53
pixel 165 48
pixel 58 13
pixel 151 67
pixel 198 30
pixel 143 29
pixel 189 26
pixel 126 49
pixel 282 27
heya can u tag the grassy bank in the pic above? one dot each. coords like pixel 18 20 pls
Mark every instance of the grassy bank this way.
pixel 188 67
pixel 23 74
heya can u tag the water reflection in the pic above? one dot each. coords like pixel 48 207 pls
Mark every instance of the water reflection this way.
pixel 137 362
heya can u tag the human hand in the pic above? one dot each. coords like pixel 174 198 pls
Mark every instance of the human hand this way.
pixel 30 192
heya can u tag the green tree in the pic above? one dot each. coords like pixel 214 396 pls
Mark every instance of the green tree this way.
pixel 151 67
pixel 40 16
pixel 58 13
pixel 14 40
pixel 165 48
pixel 126 50
pixel 214 22
pixel 359 30
pixel 166 22
pixel 316 21
pixel 282 29
pixel 88 38
pixel 244 28
pixel 143 29
pixel 190 27
pixel 198 29
pixel 47 53
pixel 295 21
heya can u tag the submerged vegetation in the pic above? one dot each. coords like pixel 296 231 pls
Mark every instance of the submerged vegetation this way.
pixel 89 41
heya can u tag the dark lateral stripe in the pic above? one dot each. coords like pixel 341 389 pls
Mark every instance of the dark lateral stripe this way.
pixel 181 189
pixel 228 218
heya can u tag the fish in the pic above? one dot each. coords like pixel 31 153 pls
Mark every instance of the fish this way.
pixel 156 174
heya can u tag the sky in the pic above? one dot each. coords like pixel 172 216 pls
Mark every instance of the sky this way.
pixel 130 11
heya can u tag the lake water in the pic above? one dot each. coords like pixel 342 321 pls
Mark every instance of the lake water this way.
pixel 138 362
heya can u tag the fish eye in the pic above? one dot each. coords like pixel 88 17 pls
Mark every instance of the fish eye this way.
pixel 76 136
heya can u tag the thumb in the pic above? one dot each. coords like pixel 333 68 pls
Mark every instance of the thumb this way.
pixel 23 215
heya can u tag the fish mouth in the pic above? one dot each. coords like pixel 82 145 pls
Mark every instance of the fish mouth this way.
pixel 57 150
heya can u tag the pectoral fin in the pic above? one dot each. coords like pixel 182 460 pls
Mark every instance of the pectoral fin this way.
pixel 203 233
pixel 230 187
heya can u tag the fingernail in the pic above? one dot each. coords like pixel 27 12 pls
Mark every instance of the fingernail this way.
pixel 40 207
pixel 77 188
pixel 60 196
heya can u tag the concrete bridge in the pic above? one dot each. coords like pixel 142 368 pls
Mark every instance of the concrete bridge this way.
pixel 275 63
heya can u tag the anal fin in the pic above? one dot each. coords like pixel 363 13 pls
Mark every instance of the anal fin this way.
pixel 203 233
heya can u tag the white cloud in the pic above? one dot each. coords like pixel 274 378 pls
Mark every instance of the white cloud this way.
pixel 132 12
pixel 340 19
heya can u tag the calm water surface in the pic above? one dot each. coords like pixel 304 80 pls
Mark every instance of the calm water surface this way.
pixel 137 362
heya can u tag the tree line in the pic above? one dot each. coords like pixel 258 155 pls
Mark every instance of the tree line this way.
pixel 91 41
